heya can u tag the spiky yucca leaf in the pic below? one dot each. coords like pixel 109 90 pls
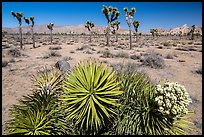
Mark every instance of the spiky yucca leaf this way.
pixel 137 113
pixel 38 113
pixel 90 95
pixel 48 79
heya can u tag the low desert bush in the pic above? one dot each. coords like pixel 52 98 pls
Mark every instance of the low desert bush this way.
pixel 15 52
pixel 55 48
pixel 121 55
pixel 52 53
pixel 199 71
pixel 107 54
pixel 153 59
pixel 169 56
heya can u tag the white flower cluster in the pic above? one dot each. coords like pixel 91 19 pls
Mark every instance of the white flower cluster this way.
pixel 172 99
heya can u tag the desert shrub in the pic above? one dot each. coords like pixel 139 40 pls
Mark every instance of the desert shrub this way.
pixel 83 47
pixel 121 55
pixel 153 59
pixel 107 54
pixel 167 44
pixel 134 57
pixel 15 52
pixel 190 42
pixel 4 63
pixel 55 48
pixel 90 96
pixel 199 71
pixel 71 51
pixel 169 56
pixel 52 53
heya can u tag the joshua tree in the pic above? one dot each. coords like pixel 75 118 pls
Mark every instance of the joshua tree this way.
pixel 115 27
pixel 154 32
pixel 31 27
pixel 111 14
pixel 19 15
pixel 50 27
pixel 136 25
pixel 89 25
pixel 180 34
pixel 192 32
pixel 128 17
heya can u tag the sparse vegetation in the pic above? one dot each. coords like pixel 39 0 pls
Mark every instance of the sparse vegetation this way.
pixel 153 59
pixel 4 63
pixel 55 48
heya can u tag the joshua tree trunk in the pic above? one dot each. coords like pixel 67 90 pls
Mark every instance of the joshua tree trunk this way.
pixel 130 29
pixel 33 37
pixel 51 36
pixel 90 36
pixel 116 37
pixel 20 31
pixel 108 34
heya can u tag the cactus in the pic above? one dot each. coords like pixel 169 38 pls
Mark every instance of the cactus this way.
pixel 89 25
pixel 50 27
pixel 128 17
pixel 136 25
pixel 111 14
pixel 113 25
pixel 19 15
pixel 192 32
pixel 31 27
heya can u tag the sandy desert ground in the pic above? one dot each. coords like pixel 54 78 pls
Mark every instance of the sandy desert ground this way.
pixel 182 59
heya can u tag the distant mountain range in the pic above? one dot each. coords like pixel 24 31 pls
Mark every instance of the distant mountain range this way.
pixel 81 29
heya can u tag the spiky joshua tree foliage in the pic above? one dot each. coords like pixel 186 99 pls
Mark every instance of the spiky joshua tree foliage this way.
pixel 31 27
pixel 50 27
pixel 115 27
pixel 136 25
pixel 90 96
pixel 18 16
pixel 111 14
pixel 89 25
pixel 128 17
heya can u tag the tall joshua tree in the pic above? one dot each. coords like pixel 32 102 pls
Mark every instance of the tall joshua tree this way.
pixel 111 14
pixel 19 15
pixel 31 27
pixel 115 27
pixel 192 32
pixel 128 17
pixel 89 25
pixel 136 25
pixel 50 27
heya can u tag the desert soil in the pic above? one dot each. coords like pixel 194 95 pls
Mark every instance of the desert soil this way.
pixel 186 59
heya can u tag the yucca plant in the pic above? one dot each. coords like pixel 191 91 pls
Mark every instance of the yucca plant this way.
pixel 50 27
pixel 18 16
pixel 111 14
pixel 128 17
pixel 90 96
pixel 115 27
pixel 38 113
pixel 137 113
pixel 89 25
pixel 136 25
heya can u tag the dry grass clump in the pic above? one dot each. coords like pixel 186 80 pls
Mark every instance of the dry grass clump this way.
pixel 134 57
pixel 106 53
pixel 52 53
pixel 15 52
pixel 153 59
pixel 169 56
pixel 121 55
pixel 55 48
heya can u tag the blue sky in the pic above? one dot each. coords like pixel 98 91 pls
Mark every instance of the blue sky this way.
pixel 165 15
